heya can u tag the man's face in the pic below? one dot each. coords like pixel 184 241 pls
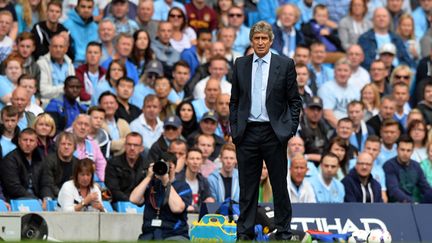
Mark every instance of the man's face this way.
pixel 390 134
pixel 66 148
pixel 73 89
pixel 181 75
pixel 387 109
pixel 401 95
pixel 222 105
pixel 302 55
pixel 394 5
pixel 106 32
pixel 344 129
pixel 212 91
pixel 355 56
pixel 217 49
pixel 287 16
pixel 261 44
pixel 355 113
pixel 404 151
pixel 145 11
pixel 85 9
pixel 179 149
pixel 124 46
pixel 229 160
pixel 426 4
pixel 26 48
pixel 53 13
pixel 302 76
pixel 27 143
pixel 81 127
pixel 364 165
pixel 298 170
pixel 162 88
pixel 318 54
pixel 381 19
pixel 329 167
pixel 13 70
pixel 93 55
pixel 165 32
pixel 205 144
pixel 152 109
pixel 125 90
pixel 120 10
pixel 372 148
pixel 208 126
pixel 378 71
pixel 5 25
pixel 57 48
pixel 10 123
pixel 295 145
pixel 428 94
pixel 313 114
pixel 133 147
pixel 204 41
pixel 342 74
pixel 194 161
pixel 96 119
pixel 387 59
pixel 20 99
pixel 171 133
pixel 218 69
pixel 228 36
pixel 109 104
pixel 235 17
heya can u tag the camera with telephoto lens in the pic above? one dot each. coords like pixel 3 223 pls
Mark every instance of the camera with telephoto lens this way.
pixel 161 167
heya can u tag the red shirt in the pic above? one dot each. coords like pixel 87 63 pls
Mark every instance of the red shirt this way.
pixel 205 18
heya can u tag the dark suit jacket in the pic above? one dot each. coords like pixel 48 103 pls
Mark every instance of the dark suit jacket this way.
pixel 283 101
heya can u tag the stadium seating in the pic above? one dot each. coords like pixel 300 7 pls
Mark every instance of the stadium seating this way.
pixel 26 205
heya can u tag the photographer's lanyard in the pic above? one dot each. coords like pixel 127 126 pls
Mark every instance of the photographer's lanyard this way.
pixel 156 202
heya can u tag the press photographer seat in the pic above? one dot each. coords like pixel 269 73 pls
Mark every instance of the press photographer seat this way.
pixel 108 207
pixel 52 205
pixel 128 207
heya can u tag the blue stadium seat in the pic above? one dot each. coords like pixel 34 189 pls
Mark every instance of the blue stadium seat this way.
pixel 108 207
pixel 26 205
pixel 128 207
pixel 3 207
pixel 52 205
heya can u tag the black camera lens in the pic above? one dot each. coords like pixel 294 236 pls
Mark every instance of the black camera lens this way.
pixel 160 168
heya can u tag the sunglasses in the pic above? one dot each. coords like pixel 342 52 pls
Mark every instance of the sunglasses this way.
pixel 179 16
pixel 235 15
pixel 402 77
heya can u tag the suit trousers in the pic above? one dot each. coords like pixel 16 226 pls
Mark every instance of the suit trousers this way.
pixel 260 143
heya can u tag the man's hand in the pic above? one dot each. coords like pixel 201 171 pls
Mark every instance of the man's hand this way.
pixel 150 172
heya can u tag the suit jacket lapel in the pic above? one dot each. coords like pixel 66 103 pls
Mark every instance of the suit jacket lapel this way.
pixel 273 73
pixel 248 76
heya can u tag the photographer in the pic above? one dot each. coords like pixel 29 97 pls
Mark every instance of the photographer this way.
pixel 165 215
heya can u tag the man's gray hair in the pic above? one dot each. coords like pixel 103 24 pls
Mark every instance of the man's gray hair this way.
pixel 261 27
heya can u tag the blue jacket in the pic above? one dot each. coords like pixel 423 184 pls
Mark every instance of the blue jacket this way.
pixel 369 45
pixel 217 186
pixel 82 33
pixel 267 10
pixel 190 56
pixel 278 42
pixel 354 191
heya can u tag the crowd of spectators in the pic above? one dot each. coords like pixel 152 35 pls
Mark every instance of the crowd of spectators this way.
pixel 94 92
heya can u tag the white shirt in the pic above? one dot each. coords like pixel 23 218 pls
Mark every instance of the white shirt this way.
pixel 69 196
pixel 199 93
pixel 149 135
pixel 265 75
pixel 359 78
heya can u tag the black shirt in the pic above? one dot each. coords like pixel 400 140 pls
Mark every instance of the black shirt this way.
pixel 67 172
pixel 227 181
pixel 133 113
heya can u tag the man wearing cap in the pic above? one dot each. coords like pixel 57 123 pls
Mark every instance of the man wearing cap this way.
pixel 172 129
pixel 153 69
pixel 208 125
pixel 125 171
pixel 264 114
pixel 371 41
pixel 123 48
pixel 119 11
pixel 387 54
pixel 314 129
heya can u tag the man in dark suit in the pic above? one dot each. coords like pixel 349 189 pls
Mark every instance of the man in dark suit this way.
pixel 264 114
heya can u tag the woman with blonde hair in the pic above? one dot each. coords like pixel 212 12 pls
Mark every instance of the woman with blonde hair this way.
pixel 265 189
pixel 406 30
pixel 401 73
pixel 45 128
pixel 371 99
pixel 30 12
